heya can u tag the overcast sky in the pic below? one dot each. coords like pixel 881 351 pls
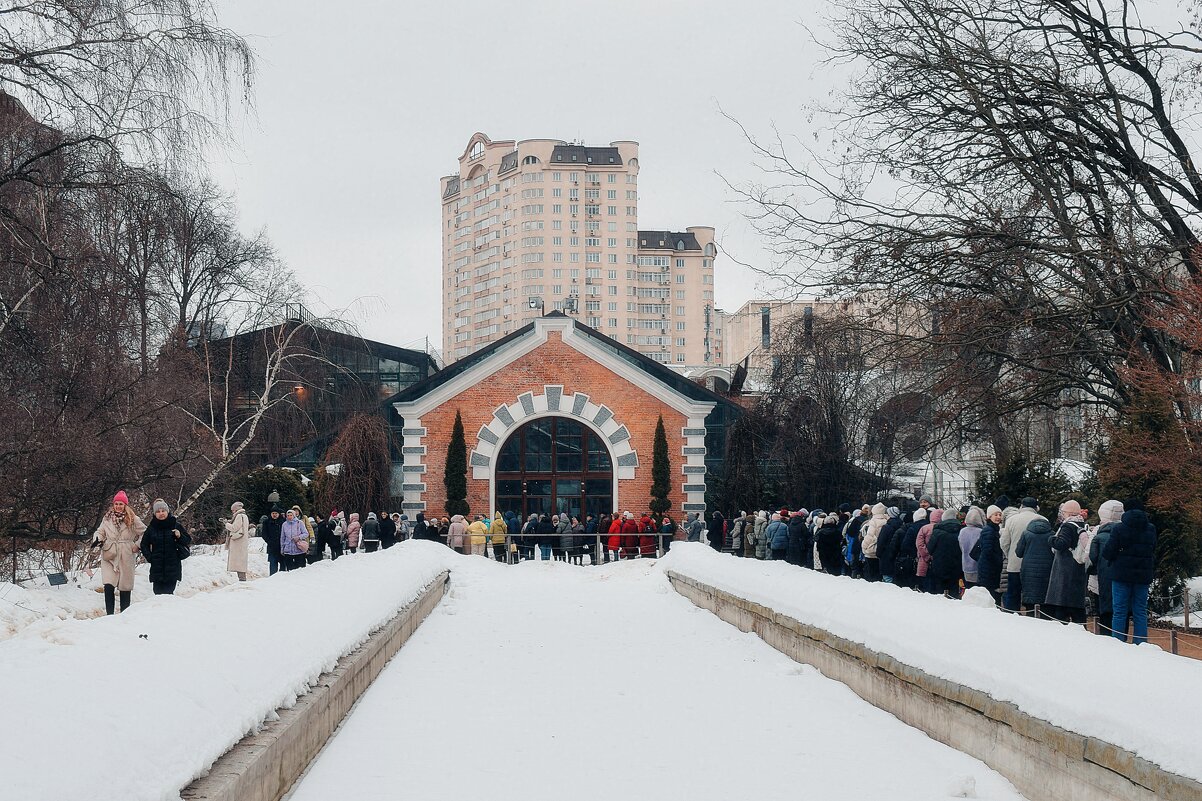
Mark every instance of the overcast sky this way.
pixel 358 114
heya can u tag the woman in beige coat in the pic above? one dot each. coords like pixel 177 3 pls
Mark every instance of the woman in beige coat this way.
pixel 119 538
pixel 238 531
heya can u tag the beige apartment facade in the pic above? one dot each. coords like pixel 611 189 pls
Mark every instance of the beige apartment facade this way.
pixel 541 225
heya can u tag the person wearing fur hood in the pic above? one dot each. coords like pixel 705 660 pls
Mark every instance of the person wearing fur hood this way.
pixel 870 533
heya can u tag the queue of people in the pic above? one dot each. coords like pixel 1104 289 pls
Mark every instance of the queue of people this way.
pixel 1056 568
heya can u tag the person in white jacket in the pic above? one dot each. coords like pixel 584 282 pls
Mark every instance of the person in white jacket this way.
pixel 868 537
pixel 1012 532
pixel 238 532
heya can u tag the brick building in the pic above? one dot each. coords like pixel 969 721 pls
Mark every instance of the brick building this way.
pixel 559 417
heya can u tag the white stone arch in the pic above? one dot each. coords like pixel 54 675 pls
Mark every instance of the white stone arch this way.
pixel 508 418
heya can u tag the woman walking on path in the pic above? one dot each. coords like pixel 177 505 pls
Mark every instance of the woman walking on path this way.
pixel 119 537
pixel 165 546
pixel 294 542
pixel 237 533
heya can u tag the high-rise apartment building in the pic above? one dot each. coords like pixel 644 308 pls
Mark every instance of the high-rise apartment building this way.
pixel 541 225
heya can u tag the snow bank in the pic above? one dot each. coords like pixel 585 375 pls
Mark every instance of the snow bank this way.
pixel 134 706
pixel 83 597
pixel 1141 699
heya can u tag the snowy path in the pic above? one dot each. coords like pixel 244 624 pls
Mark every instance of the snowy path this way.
pixel 543 681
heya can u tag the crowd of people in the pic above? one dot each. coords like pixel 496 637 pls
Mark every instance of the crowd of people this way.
pixel 1054 568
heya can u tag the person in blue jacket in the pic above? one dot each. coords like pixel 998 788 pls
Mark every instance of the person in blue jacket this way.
pixel 777 535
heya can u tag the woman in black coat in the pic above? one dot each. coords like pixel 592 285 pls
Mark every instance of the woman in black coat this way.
pixel 989 556
pixel 165 546
pixel 887 544
pixel 946 557
pixel 830 546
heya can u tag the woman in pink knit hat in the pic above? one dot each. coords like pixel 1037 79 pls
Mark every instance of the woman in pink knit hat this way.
pixel 119 538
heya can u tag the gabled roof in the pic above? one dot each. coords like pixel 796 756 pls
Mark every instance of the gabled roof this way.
pixel 664 375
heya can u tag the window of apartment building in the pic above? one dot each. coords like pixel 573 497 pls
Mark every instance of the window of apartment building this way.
pixel 595 322
pixel 557 208
pixel 574 241
pixel 612 242
pixel 632 228
pixel 680 311
pixel 629 178
pixel 557 225
pixel 592 242
pixel 707 295
pixel 630 211
pixel 613 290
pixel 592 194
pixel 680 325
pixel 612 211
pixel 707 262
pixel 612 275
pixel 557 241
pixel 575 259
pixel 574 177
pixel 574 208
pixel 613 322
pixel 612 194
pixel 612 227
pixel 574 274
pixel 573 194
pixel 592 305
pixel 557 192
pixel 613 178
pixel 593 226
pixel 707 279
pixel 680 342
pixel 590 208
pixel 612 258
pixel 680 262
pixel 592 272
pixel 557 176
pixel 557 289
pixel 680 294
pixel 593 258
pixel 613 306
pixel 557 273
pixel 680 358
pixel 557 257
pixel 680 278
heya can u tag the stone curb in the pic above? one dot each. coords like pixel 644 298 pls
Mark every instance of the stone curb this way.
pixel 263 766
pixel 1045 762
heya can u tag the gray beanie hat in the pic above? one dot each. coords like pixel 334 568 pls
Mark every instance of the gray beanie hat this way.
pixel 160 505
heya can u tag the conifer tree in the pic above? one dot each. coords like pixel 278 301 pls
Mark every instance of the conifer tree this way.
pixel 661 471
pixel 454 477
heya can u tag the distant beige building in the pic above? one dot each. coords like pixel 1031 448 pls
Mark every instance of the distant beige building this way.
pixel 540 225
pixel 752 332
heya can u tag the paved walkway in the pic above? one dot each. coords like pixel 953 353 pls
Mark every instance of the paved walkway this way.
pixel 544 681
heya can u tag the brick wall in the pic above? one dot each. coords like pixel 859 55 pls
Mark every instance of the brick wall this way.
pixel 553 362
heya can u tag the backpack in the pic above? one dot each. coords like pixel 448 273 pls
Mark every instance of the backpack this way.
pixel 1081 551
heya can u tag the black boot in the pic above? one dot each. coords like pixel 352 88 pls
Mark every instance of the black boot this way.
pixel 110 599
pixel 125 595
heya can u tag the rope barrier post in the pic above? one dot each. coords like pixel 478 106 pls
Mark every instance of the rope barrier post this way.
pixel 1037 612
pixel 1173 640
pixel 1185 598
pixel 1095 625
pixel 659 545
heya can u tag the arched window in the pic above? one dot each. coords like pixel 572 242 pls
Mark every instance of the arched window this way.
pixel 477 151
pixel 554 464
pixel 530 160
pixel 680 244
pixel 710 250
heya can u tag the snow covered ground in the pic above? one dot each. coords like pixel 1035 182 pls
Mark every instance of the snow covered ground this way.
pixel 545 681
pixel 83 596
pixel 1139 698
pixel 133 707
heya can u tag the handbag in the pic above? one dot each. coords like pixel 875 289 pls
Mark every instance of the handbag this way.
pixel 182 550
pixel 302 544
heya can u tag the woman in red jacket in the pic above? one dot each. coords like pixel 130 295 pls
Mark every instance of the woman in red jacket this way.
pixel 630 536
pixel 613 545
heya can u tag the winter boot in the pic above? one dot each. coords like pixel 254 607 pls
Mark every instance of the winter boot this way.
pixel 110 599
pixel 125 596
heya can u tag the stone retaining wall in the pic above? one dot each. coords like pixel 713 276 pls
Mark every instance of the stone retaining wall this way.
pixel 1045 762
pixel 263 766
